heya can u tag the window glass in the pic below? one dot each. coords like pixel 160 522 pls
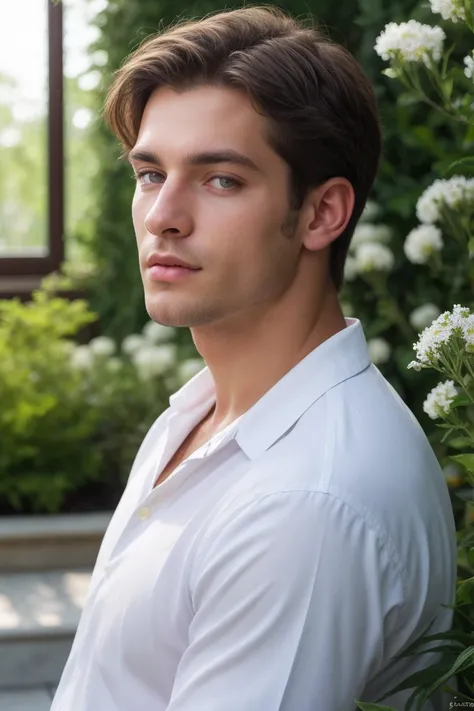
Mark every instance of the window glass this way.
pixel 23 127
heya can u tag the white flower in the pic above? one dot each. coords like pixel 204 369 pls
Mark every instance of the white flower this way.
pixel 370 212
pixel 424 316
pixel 367 232
pixel 410 41
pixel 133 343
pixel 422 242
pixel 439 401
pixel 469 70
pixel 157 333
pixel 448 9
pixel 468 332
pixel 379 350
pixel 188 368
pixel 452 193
pixel 373 256
pixel 433 337
pixel 102 346
pixel 82 358
pixel 350 268
pixel 151 361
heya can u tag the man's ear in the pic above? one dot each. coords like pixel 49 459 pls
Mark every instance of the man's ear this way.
pixel 327 212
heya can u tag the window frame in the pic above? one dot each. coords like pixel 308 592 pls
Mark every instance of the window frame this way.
pixel 29 265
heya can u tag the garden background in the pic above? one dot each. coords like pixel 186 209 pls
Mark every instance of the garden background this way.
pixel 81 380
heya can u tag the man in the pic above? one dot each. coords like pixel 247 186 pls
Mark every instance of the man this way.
pixel 286 530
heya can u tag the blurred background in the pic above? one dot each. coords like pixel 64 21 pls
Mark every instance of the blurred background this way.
pixel 83 373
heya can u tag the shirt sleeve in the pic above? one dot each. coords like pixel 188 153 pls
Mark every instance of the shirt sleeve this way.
pixel 289 598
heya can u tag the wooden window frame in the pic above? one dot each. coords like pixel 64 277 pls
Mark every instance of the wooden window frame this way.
pixel 25 272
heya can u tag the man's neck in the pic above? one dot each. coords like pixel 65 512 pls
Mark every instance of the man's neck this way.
pixel 246 362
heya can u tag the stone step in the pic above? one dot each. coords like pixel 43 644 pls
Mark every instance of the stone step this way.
pixel 30 543
pixel 39 614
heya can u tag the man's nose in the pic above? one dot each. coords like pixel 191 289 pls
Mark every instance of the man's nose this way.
pixel 169 212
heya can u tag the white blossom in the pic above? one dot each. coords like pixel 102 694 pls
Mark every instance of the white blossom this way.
pixel 188 368
pixel 82 358
pixel 102 346
pixel 367 232
pixel 448 9
pixel 422 242
pixel 452 193
pixel 373 257
pixel 423 316
pixel 467 329
pixel 440 399
pixel 411 41
pixel 350 268
pixel 379 350
pixel 469 69
pixel 157 333
pixel 429 343
pixel 133 343
pixel 370 212
pixel 152 361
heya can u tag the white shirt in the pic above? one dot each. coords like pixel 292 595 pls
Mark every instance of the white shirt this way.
pixel 283 564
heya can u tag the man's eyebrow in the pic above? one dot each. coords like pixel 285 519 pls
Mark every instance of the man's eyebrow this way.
pixel 205 158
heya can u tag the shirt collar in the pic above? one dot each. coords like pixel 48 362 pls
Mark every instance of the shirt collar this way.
pixel 338 358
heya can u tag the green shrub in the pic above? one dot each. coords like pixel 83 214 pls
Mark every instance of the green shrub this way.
pixel 73 416
pixel 43 421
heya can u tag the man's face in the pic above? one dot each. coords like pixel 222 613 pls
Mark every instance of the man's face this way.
pixel 228 219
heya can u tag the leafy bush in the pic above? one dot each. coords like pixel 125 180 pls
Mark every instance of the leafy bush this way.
pixel 435 259
pixel 73 416
pixel 43 421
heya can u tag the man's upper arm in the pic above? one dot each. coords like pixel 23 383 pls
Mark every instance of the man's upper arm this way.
pixel 289 598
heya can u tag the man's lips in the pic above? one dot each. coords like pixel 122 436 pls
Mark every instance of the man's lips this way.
pixel 159 272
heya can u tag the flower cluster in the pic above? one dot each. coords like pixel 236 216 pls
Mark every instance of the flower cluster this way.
pixel 422 242
pixel 410 42
pixel 469 68
pixel 149 352
pixel 449 9
pixel 449 325
pixel 440 399
pixel 368 251
pixel 367 232
pixel 451 193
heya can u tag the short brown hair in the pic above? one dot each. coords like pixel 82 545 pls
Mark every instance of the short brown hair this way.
pixel 321 110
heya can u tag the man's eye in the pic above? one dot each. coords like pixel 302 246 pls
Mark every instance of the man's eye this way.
pixel 145 177
pixel 234 183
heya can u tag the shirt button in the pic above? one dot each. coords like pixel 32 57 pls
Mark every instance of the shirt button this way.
pixel 144 513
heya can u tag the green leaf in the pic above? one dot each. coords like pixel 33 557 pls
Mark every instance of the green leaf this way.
pixel 463 662
pixel 467 460
pixel 467 160
pixel 460 400
pixel 460 443
pixel 465 592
